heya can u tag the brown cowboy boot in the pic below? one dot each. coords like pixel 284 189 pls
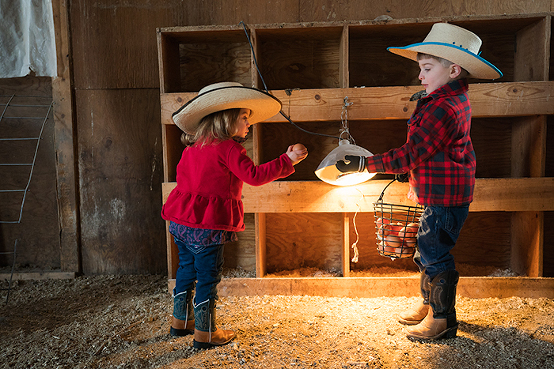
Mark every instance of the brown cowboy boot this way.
pixel 206 334
pixel 440 321
pixel 182 321
pixel 416 314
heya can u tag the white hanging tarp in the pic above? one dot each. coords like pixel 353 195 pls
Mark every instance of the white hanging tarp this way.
pixel 27 39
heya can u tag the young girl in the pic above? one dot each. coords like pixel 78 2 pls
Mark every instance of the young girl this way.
pixel 205 208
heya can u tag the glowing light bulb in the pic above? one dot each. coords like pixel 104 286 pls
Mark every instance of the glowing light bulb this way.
pixel 328 172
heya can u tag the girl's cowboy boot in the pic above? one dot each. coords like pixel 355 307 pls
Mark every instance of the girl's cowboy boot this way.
pixel 206 334
pixel 416 314
pixel 182 321
pixel 440 321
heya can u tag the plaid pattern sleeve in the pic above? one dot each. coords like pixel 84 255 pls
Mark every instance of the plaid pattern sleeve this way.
pixel 438 151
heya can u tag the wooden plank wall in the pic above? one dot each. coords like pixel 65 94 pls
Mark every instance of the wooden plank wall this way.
pixel 37 234
pixel 116 132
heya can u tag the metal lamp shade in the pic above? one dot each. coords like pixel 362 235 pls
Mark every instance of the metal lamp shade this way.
pixel 328 172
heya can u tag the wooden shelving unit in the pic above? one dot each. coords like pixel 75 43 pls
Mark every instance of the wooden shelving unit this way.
pixel 303 222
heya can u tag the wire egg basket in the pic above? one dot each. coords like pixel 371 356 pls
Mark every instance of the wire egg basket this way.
pixel 396 228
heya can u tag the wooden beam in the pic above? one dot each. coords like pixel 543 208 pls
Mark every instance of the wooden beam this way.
pixel 368 287
pixel 310 105
pixel 513 194
pixel 66 172
pixel 491 194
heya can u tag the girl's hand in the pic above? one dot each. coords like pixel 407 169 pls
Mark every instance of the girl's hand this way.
pixel 297 153
pixel 412 196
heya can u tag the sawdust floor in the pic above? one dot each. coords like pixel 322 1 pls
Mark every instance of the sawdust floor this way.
pixel 123 322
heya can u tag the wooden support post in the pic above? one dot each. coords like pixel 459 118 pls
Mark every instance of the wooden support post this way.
pixel 532 50
pixel 66 171
pixel 527 243
pixel 528 160
pixel 253 70
pixel 172 254
pixel 346 246
pixel 343 59
pixel 168 60
pixel 260 245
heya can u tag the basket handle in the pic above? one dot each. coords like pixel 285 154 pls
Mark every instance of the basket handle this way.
pixel 382 193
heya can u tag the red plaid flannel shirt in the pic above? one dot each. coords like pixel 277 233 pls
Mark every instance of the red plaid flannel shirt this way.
pixel 438 151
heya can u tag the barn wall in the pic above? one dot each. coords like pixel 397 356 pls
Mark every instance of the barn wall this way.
pixel 113 86
pixel 37 247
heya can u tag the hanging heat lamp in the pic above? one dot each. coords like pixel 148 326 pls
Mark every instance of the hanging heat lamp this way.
pixel 328 172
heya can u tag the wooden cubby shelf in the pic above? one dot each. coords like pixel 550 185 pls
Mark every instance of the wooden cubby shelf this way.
pixel 491 194
pixel 301 222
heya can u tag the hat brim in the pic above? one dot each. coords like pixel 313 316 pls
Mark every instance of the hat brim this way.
pixel 261 104
pixel 473 63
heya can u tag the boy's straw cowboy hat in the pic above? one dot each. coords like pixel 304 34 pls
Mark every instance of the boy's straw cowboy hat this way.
pixel 454 44
pixel 222 96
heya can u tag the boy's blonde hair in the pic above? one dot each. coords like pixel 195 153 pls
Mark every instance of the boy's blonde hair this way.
pixel 444 62
pixel 218 126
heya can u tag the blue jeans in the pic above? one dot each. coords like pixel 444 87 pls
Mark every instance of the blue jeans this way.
pixel 438 232
pixel 200 264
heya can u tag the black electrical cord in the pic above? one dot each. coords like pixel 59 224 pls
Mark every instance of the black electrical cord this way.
pixel 266 90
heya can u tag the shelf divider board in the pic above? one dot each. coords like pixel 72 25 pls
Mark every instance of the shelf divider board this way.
pixel 529 147
pixel 255 78
pixel 533 52
pixel 527 243
pixel 527 229
pixel 168 61
pixel 260 219
pixel 346 246
pixel 343 58
pixel 172 253
pixel 531 63
pixel 261 261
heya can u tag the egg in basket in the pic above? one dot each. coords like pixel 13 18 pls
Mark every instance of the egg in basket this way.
pixel 396 228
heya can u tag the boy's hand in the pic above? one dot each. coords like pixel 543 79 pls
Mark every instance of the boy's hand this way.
pixel 351 163
pixel 402 178
pixel 297 153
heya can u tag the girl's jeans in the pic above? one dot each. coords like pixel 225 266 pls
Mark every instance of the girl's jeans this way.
pixel 438 232
pixel 201 264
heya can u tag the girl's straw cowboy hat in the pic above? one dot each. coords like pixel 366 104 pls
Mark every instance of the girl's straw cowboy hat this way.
pixel 222 96
pixel 454 44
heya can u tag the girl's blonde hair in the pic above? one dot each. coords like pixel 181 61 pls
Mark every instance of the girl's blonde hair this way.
pixel 215 127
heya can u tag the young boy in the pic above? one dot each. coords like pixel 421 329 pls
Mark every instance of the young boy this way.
pixel 439 157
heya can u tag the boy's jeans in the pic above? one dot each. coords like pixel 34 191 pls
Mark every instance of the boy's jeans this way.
pixel 438 231
pixel 203 264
